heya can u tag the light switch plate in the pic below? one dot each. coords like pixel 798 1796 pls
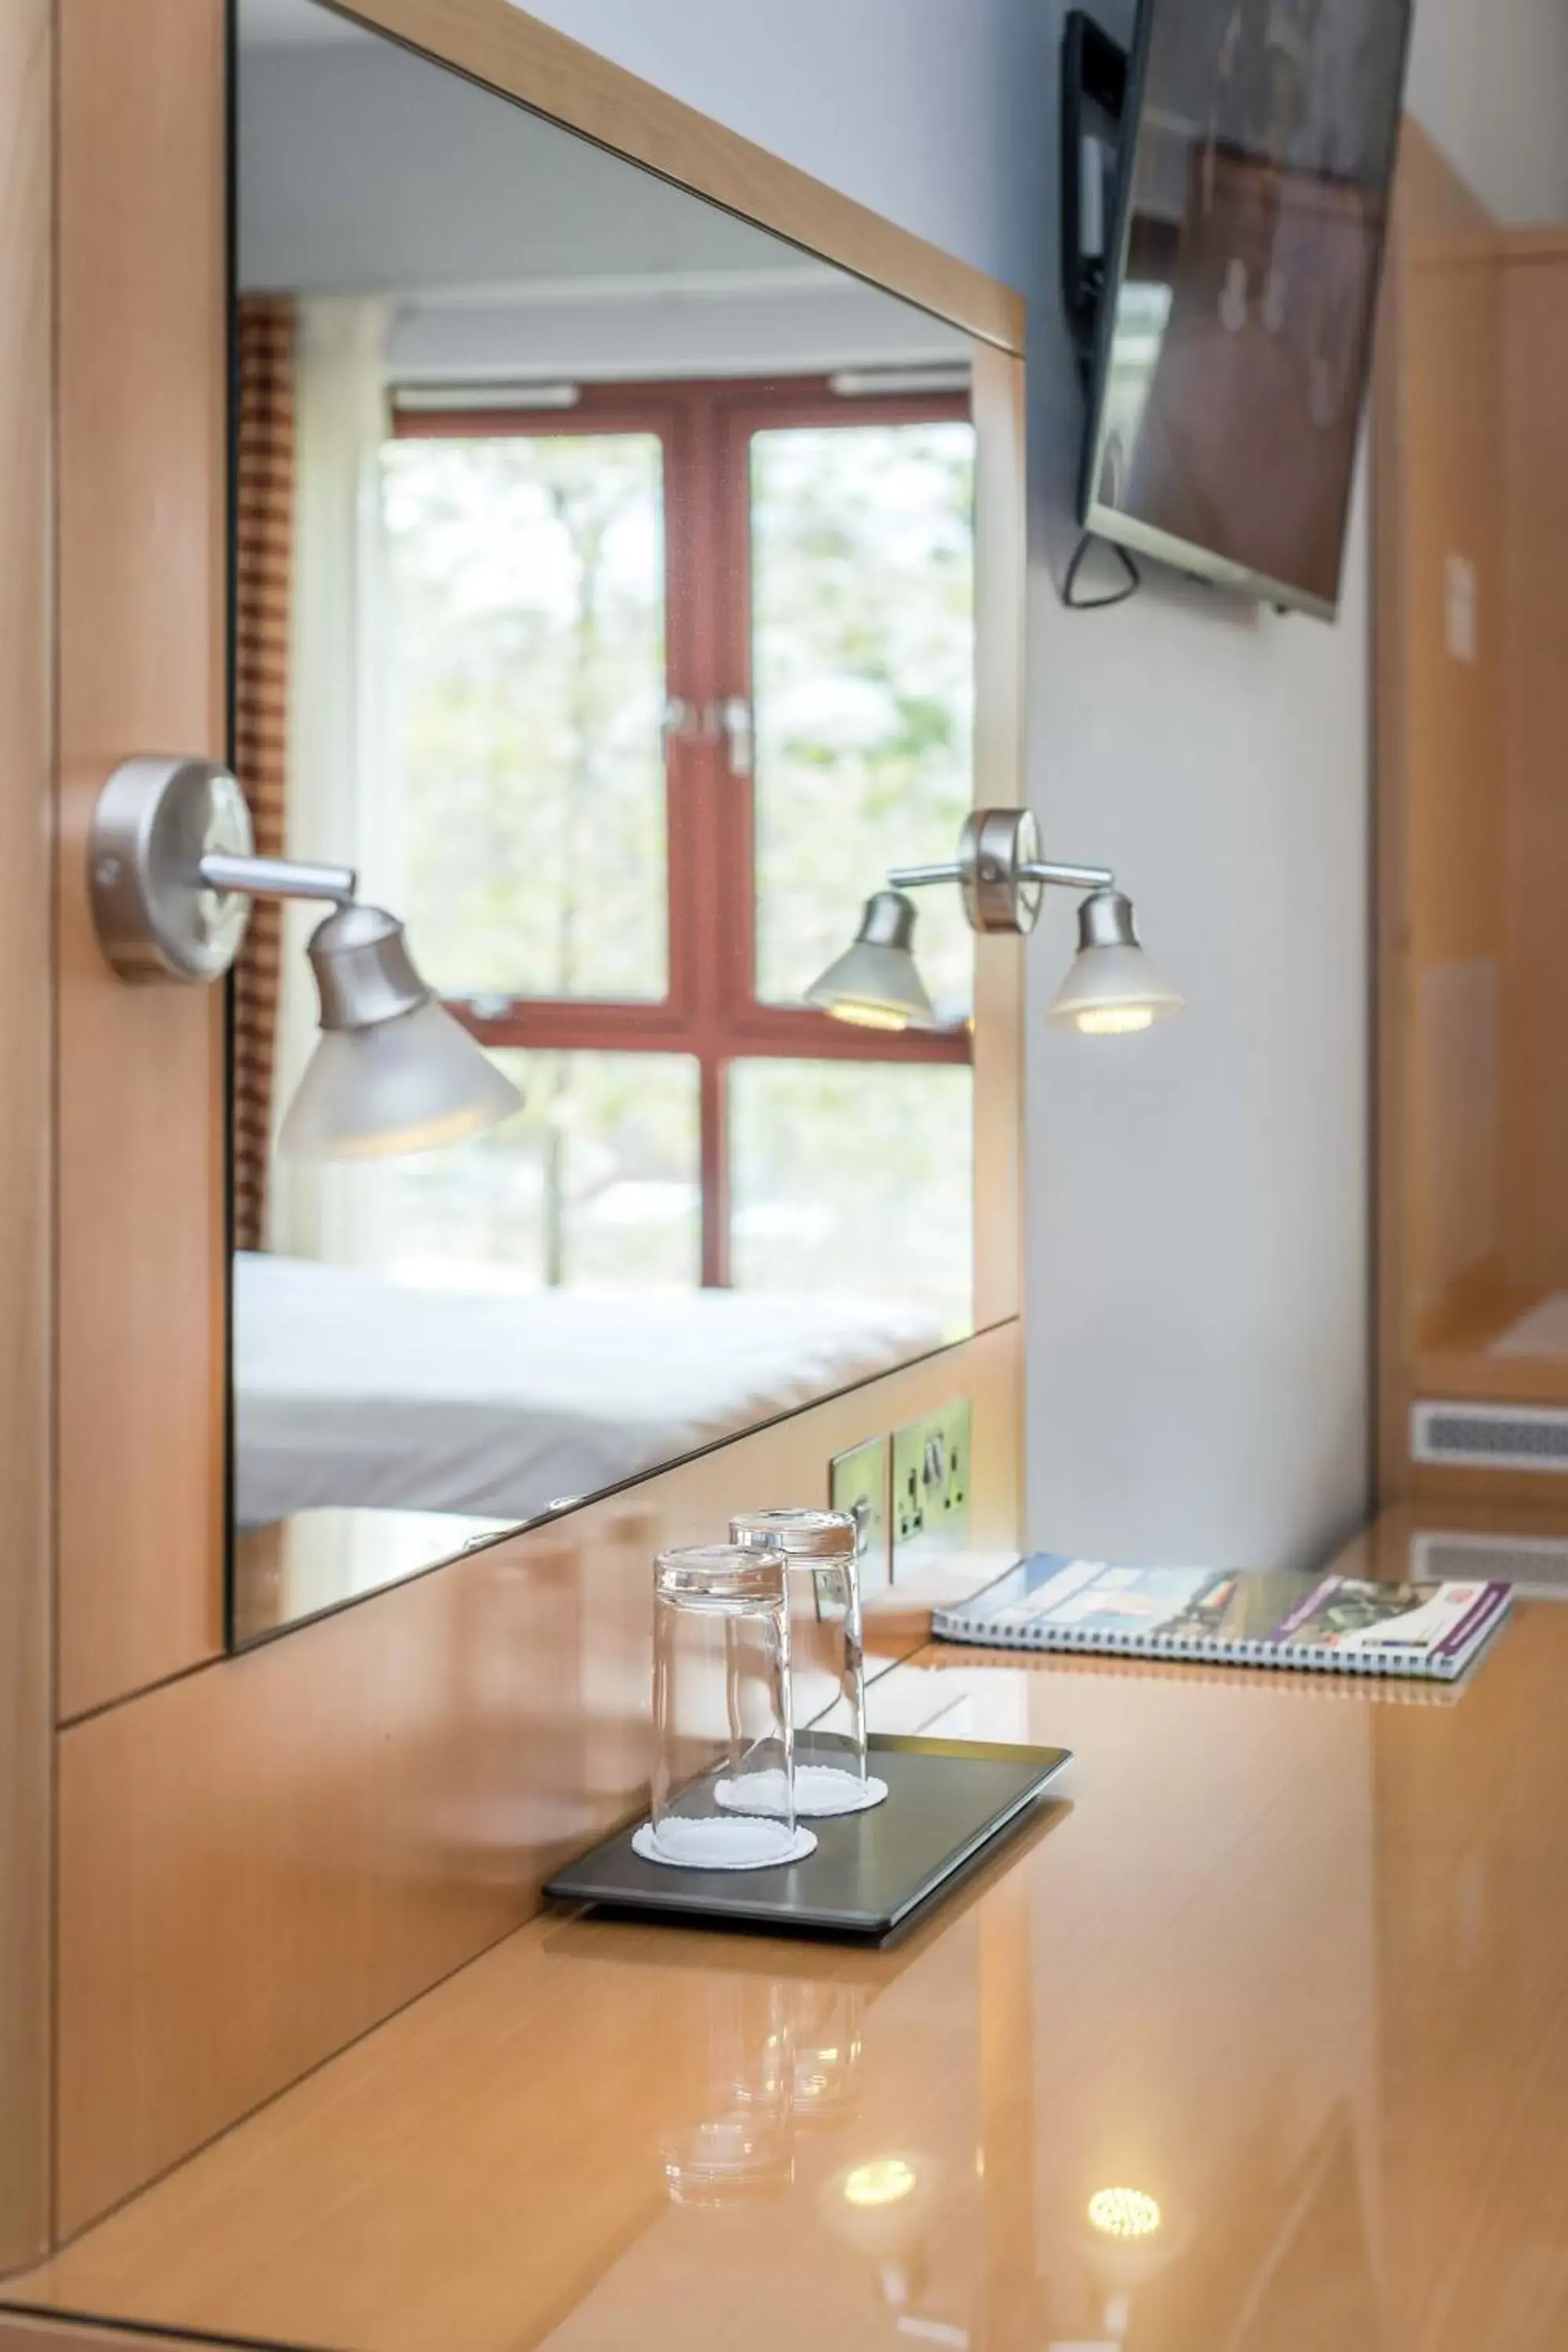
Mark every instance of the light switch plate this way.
pixel 1461 629
pixel 931 1487
pixel 858 1483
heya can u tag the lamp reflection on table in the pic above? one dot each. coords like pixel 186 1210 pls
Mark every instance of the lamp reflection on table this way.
pixel 1126 2236
pixel 883 2207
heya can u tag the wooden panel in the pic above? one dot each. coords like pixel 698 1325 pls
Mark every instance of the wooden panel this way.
pixel 1548 244
pixel 1392 1337
pixel 1535 996
pixel 1438 212
pixel 1000 597
pixel 64 2335
pixel 1451 420
pixel 1473 842
pixel 1437 426
pixel 530 60
pixel 261 1859
pixel 141 450
pixel 26 1122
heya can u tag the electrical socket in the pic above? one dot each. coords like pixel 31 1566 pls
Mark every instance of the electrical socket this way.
pixel 930 1487
pixel 858 1483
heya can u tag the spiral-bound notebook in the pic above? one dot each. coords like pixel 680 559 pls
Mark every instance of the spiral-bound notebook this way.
pixel 1252 1617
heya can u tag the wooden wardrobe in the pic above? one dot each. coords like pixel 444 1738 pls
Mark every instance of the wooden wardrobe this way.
pixel 1472 836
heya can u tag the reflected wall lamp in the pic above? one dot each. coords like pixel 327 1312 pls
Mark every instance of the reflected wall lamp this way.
pixel 172 872
pixel 1111 990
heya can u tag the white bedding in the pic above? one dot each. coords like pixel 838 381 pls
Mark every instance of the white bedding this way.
pixel 355 1392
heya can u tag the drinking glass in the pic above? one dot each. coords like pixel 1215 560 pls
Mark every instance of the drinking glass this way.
pixel 820 1555
pixel 723 1740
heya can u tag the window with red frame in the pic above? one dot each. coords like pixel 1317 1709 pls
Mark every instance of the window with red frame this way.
pixel 679 672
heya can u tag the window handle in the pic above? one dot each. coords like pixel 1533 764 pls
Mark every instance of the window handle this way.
pixel 735 718
pixel 678 719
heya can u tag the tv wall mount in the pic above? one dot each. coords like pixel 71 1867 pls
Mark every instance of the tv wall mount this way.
pixel 1094 98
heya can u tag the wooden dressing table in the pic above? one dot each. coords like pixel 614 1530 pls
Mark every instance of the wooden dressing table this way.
pixel 1291 1966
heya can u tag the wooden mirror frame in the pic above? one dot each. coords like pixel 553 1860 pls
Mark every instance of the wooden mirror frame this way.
pixel 224 1867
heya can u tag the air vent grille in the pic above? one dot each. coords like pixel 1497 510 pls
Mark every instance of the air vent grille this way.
pixel 1536 1568
pixel 1490 1436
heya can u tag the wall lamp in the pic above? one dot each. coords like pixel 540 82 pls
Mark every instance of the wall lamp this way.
pixel 1111 990
pixel 172 872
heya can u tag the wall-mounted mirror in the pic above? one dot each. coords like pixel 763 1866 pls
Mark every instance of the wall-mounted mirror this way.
pixel 603 593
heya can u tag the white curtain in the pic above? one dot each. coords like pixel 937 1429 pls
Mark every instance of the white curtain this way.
pixel 339 774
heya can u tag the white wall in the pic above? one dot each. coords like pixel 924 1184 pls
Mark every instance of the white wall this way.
pixel 1489 80
pixel 514 249
pixel 363 170
pixel 928 109
pixel 1198 1270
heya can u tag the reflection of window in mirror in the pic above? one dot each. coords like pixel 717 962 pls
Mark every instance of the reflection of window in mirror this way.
pixel 605 597
pixel 628 831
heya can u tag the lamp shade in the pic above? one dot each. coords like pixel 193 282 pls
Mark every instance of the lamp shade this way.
pixel 1112 989
pixel 411 1083
pixel 392 1072
pixel 875 983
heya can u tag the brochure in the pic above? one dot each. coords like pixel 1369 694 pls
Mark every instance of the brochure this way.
pixel 1255 1617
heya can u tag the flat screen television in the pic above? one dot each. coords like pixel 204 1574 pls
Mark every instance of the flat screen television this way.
pixel 1235 333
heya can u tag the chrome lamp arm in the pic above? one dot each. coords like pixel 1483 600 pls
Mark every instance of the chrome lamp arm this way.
pixel 917 878
pixel 277 877
pixel 1001 873
pixel 1040 869
pixel 1069 877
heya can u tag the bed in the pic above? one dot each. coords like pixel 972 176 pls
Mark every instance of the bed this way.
pixel 354 1392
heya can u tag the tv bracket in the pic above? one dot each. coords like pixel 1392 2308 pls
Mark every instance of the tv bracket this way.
pixel 1094 98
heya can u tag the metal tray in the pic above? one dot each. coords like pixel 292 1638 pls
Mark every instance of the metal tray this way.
pixel 948 1802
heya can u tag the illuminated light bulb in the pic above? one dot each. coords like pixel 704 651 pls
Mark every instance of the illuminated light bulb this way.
pixel 1124 2213
pixel 874 982
pixel 1112 989
pixel 886 2180
pixel 867 1016
pixel 1114 1021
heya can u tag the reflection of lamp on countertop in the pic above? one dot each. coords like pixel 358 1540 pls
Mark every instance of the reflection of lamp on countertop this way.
pixel 1126 2216
pixel 883 2205
pixel 1126 2236
pixel 1111 990
pixel 173 873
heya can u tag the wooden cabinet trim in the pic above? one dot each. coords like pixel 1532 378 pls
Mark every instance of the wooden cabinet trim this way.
pixel 142 463
pixel 27 1120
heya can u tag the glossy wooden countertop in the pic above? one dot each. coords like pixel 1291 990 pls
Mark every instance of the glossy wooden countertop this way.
pixel 1292 1965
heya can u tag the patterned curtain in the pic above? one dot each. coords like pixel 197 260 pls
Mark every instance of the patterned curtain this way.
pixel 266 534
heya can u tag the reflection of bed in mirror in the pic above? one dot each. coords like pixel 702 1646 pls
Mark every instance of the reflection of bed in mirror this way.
pixel 354 1392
